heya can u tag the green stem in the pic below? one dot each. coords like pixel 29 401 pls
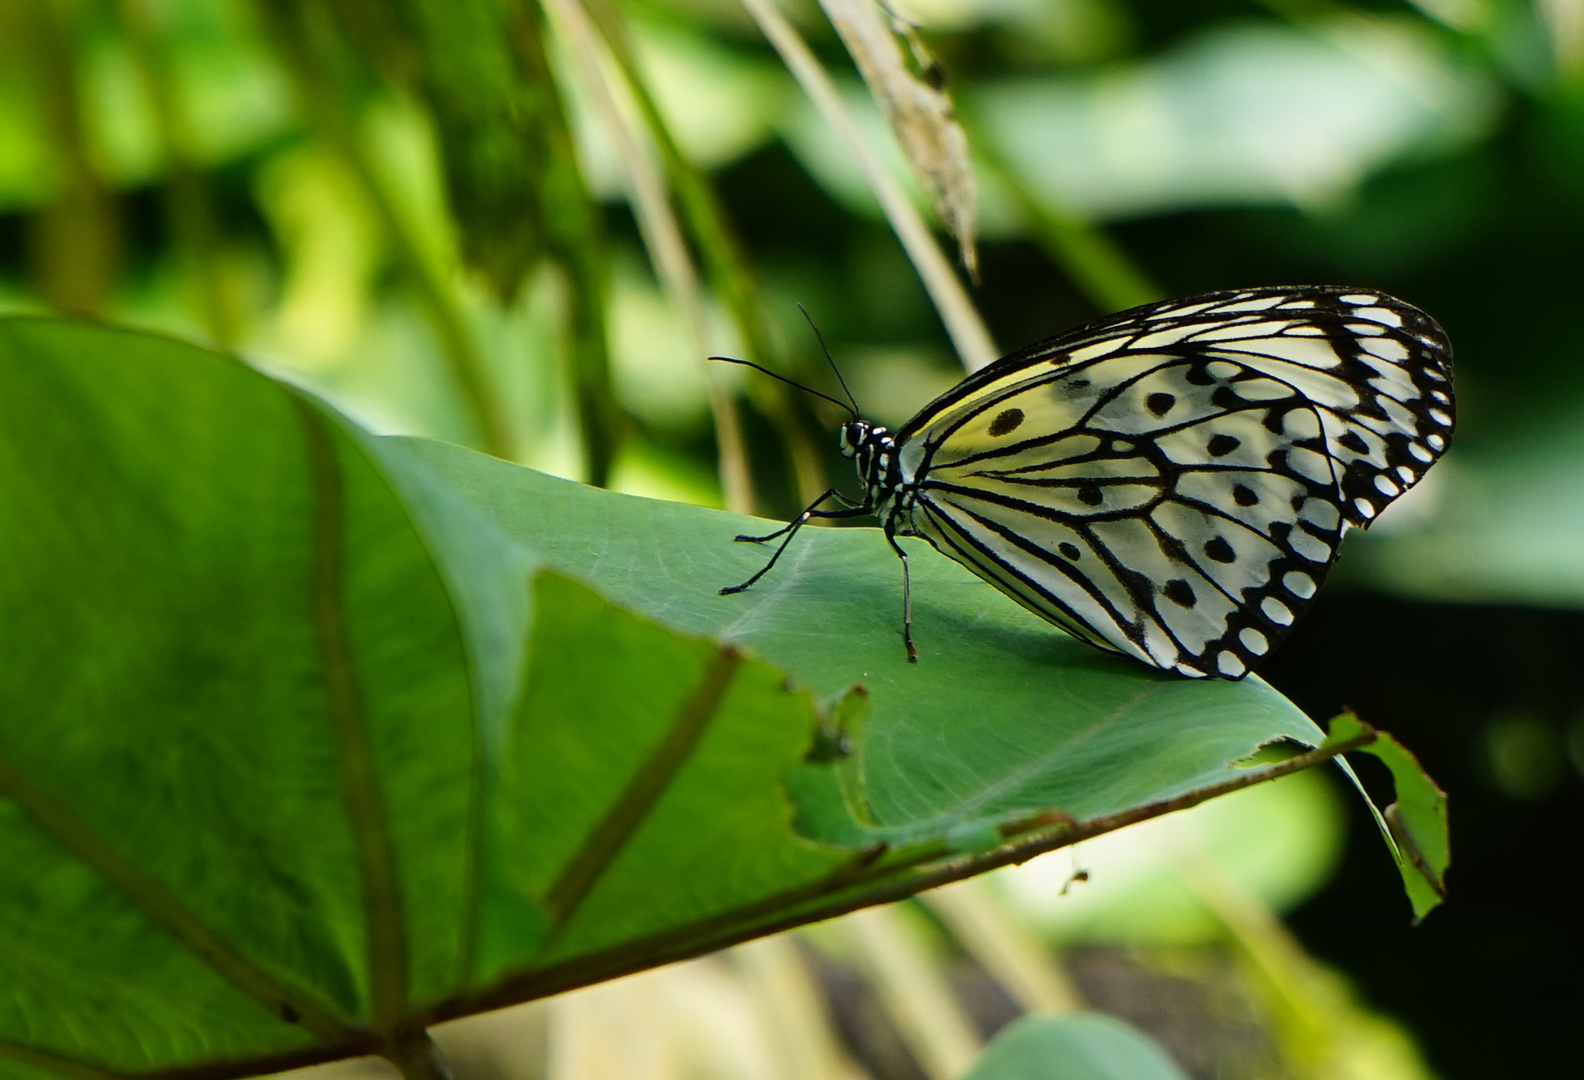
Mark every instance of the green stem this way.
pixel 575 238
pixel 721 252
pixel 188 205
pixel 362 797
pixel 641 793
pixel 416 1057
pixel 286 20
pixel 866 881
pixel 75 240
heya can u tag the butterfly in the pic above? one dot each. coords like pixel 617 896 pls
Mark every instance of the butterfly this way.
pixel 1171 482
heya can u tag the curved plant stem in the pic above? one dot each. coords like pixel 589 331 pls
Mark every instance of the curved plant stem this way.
pixel 325 110
pixel 719 250
pixel 662 236
pixel 189 206
pixel 575 236
pixel 416 1057
pixel 363 800
pixel 871 878
pixel 963 324
pixel 75 238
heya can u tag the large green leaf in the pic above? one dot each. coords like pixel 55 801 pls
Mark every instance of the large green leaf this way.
pixel 310 738
pixel 1002 713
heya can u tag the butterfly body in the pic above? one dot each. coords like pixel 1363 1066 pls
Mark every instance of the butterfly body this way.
pixel 1172 482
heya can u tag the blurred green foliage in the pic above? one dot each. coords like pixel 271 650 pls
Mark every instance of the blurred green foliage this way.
pixel 427 213
pixel 424 210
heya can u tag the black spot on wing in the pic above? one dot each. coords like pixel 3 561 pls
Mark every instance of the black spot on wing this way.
pixel 1006 422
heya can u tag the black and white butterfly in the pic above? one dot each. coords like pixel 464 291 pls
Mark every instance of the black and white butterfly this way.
pixel 1171 482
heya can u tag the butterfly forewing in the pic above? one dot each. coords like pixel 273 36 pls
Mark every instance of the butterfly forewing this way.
pixel 1172 482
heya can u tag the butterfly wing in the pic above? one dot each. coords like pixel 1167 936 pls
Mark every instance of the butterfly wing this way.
pixel 1172 482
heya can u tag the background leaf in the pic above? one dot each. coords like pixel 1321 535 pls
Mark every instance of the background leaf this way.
pixel 1079 1046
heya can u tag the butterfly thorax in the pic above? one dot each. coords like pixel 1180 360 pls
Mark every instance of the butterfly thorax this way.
pixel 873 450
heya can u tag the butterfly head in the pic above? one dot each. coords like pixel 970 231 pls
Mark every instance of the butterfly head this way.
pixel 854 436
pixel 873 450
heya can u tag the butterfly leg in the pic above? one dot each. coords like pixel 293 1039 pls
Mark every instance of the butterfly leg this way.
pixel 907 595
pixel 790 530
pixel 849 509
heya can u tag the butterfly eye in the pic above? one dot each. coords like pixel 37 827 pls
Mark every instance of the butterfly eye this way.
pixel 852 437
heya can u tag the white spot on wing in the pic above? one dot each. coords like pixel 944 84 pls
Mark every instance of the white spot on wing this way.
pixel 1309 547
pixel 1230 666
pixel 1299 584
pixel 1276 611
pixel 1253 641
pixel 1320 513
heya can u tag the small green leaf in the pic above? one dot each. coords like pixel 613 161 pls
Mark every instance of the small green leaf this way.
pixel 1077 1046
pixel 1415 824
pixel 1417 820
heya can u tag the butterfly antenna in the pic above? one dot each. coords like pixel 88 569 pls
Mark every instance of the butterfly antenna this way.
pixel 821 338
pixel 789 382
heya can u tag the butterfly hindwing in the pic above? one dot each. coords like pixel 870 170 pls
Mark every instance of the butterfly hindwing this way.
pixel 1173 482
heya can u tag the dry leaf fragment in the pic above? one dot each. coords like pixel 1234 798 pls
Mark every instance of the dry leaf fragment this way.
pixel 918 110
